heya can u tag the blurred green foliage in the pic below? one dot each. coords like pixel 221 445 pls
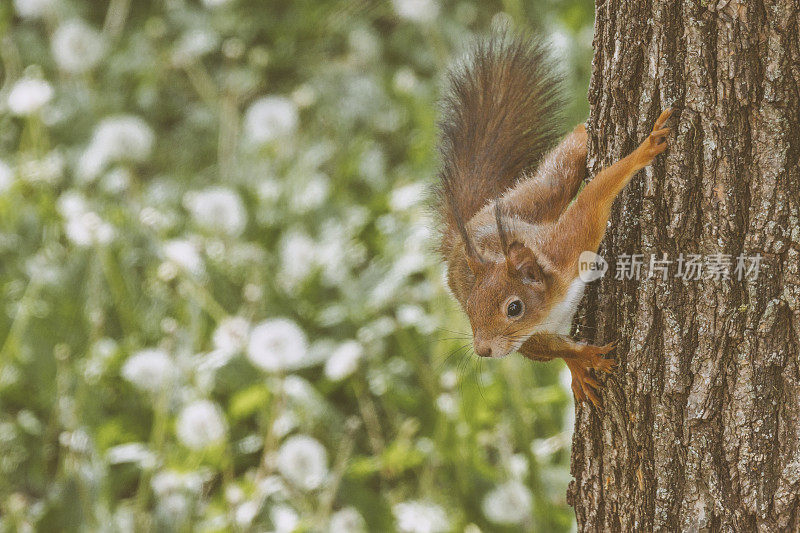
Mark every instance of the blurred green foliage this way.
pixel 220 307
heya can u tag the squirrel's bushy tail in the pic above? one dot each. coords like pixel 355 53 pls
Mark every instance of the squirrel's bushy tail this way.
pixel 500 116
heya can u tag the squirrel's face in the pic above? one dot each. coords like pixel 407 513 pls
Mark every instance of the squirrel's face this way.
pixel 506 302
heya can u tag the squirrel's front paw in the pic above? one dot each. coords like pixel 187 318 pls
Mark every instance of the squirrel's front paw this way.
pixel 584 386
pixel 655 143
pixel 593 357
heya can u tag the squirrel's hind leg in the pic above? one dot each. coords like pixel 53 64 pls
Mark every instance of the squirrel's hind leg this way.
pixel 542 197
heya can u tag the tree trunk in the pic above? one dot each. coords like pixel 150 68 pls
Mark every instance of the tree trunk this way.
pixel 701 427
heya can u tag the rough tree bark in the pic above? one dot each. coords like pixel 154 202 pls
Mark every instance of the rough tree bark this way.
pixel 701 428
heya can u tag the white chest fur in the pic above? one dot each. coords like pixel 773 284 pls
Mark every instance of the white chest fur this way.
pixel 559 320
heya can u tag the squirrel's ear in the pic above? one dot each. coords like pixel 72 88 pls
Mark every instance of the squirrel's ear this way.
pixel 522 262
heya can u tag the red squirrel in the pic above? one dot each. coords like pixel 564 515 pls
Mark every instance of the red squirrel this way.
pixel 514 223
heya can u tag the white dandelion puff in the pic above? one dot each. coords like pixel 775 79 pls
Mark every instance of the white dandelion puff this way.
pixel 183 254
pixel 270 118
pixel 117 180
pixel 33 9
pixel 298 257
pixel 270 485
pixel 118 138
pixel 246 513
pixel 404 80
pixel 77 47
pixel 28 95
pixel 200 425
pixel 421 11
pixel 344 360
pixel 313 194
pixel 407 196
pixel 303 461
pixel 448 379
pixel 508 504
pixel 47 170
pixel 131 452
pixel 231 334
pixel 518 465
pixel 284 518
pixel 6 176
pixel 411 315
pixel 347 519
pixel 284 424
pixel 420 517
pixel 277 344
pixel 150 369
pixel 89 229
pixel 83 227
pixel 217 209
pixel 169 482
pixel 447 405
pixel 193 45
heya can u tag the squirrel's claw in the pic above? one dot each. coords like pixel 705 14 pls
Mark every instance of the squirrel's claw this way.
pixel 584 386
pixel 655 143
pixel 593 357
pixel 662 118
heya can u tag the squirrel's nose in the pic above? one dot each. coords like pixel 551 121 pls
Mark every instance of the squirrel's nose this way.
pixel 484 349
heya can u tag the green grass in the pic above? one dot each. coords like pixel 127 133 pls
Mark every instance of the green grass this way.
pixel 315 216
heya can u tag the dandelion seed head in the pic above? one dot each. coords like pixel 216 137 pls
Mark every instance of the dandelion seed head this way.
pixel 347 519
pixel 417 516
pixel 28 95
pixel 246 512
pixel 200 425
pixel 313 195
pixel 217 210
pixel 407 196
pixel 303 461
pixel 447 405
pixel 88 229
pixel 284 518
pixel 215 3
pixel 47 170
pixel 6 176
pixel 421 11
pixel 270 118
pixel 184 254
pixel 131 452
pixel 77 47
pixel 117 180
pixel 231 334
pixel 298 257
pixel 277 344
pixel 271 485
pixel 344 360
pixel 117 138
pixel 284 424
pixel 508 504
pixel 167 482
pixel 193 45
pixel 149 370
pixel 33 9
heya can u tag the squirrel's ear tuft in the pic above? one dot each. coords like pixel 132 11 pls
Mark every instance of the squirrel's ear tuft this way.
pixel 475 264
pixel 522 262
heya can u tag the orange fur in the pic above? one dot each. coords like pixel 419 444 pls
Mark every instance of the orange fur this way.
pixel 512 238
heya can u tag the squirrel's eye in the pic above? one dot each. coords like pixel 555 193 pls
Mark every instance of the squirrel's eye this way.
pixel 514 308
